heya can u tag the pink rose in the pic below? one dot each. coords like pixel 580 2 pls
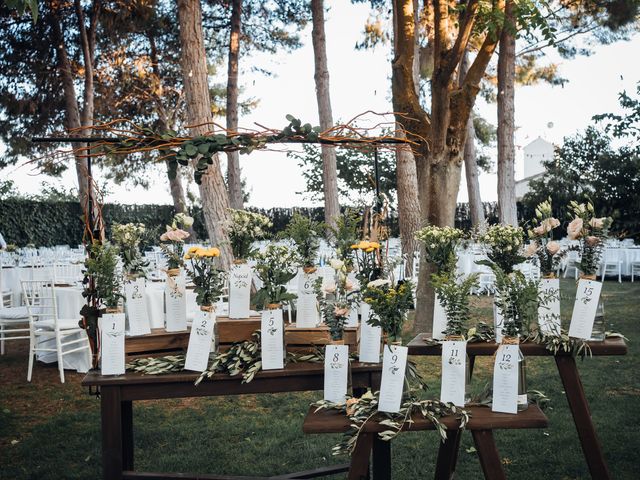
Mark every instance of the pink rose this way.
pixel 181 234
pixel 330 289
pixel 597 222
pixel 553 247
pixel 574 229
pixel 592 241
pixel 341 312
pixel 531 249
pixel 540 230
pixel 163 237
pixel 550 223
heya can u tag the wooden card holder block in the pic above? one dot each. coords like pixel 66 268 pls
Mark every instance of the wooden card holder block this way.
pixel 230 331
pixel 158 341
pixel 306 340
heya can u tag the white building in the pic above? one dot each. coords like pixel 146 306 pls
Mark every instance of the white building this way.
pixel 535 153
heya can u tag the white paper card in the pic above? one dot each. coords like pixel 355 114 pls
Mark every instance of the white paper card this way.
pixel 136 307
pixel 370 336
pixel 454 362
pixel 112 343
pixel 272 339
pixel 394 364
pixel 336 367
pixel 505 379
pixel 549 313
pixel 352 319
pixel 584 308
pixel 498 322
pixel 175 300
pixel 439 319
pixel 239 290
pixel 307 312
pixel 200 340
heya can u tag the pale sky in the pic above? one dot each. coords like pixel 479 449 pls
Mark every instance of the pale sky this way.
pixel 360 82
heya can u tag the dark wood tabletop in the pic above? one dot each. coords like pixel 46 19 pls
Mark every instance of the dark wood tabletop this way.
pixel 610 346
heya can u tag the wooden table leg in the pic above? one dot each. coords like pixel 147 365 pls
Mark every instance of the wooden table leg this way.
pixel 448 455
pixel 472 362
pixel 488 455
pixel 111 413
pixel 381 459
pixel 582 417
pixel 359 468
pixel 127 435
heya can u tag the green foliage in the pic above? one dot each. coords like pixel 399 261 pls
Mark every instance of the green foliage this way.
pixel 504 243
pixel 128 238
pixel 22 6
pixel 355 171
pixel 453 293
pixel 101 266
pixel 306 235
pixel 208 279
pixel 276 266
pixel 245 227
pixel 517 301
pixel 440 245
pixel 389 306
pixel 344 234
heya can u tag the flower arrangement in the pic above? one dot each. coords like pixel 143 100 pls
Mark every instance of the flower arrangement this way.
pixel 389 305
pixel 207 278
pixel 453 293
pixel 343 235
pixel 591 232
pixel 504 243
pixel 276 266
pixel 173 240
pixel 244 228
pixel 305 234
pixel 440 246
pixel 337 300
pixel 543 248
pixel 128 237
pixel 368 260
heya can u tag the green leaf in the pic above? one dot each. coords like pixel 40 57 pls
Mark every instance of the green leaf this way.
pixel 203 148
pixel 190 149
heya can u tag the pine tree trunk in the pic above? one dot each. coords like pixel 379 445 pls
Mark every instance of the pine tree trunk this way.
pixel 234 180
pixel 506 121
pixel 476 210
pixel 213 192
pixel 407 179
pixel 329 165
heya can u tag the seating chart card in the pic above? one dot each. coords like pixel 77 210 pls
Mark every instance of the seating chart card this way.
pixel 584 308
pixel 239 290
pixel 112 344
pixel 394 364
pixel 370 336
pixel 175 299
pixel 505 379
pixel 454 363
pixel 336 368
pixel 307 313
pixel 549 313
pixel 200 341
pixel 136 307
pixel 272 329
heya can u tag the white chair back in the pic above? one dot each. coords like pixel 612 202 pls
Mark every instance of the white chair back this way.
pixel 40 298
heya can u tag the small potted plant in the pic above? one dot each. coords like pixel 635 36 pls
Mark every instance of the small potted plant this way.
pixel 591 233
pixel 172 245
pixel 276 266
pixel 207 278
pixel 102 289
pixel 440 244
pixel 336 302
pixel 389 306
pixel 503 246
pixel 128 237
pixel 243 228
pixel 305 235
pixel 369 261
pixel 343 235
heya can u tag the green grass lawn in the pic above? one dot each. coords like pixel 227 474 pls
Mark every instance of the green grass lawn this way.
pixel 52 431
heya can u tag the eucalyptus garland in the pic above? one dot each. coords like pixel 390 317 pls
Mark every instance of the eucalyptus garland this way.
pixel 364 409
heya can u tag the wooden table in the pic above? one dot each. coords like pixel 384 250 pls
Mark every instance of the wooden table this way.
pixel 570 380
pixel 117 394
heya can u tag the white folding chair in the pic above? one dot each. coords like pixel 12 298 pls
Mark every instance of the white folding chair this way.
pixel 6 295
pixel 612 263
pixel 66 273
pixel 635 266
pixel 44 324
pixel 14 321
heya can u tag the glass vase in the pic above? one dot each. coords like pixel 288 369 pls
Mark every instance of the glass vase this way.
pixel 523 398
pixel 598 333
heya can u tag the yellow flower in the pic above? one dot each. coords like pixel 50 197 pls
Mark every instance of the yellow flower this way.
pixel 192 250
pixel 374 245
pixel 369 250
pixel 354 246
pixel 199 252
pixel 363 245
pixel 214 252
pixel 187 256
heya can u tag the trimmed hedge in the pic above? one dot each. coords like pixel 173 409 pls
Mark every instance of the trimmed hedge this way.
pixel 25 222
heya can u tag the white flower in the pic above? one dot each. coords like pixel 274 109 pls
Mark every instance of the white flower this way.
pixel 336 264
pixel 378 283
